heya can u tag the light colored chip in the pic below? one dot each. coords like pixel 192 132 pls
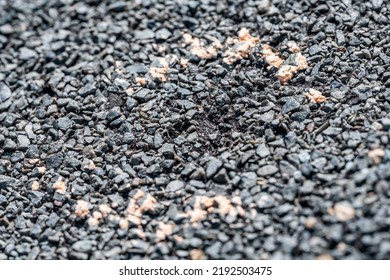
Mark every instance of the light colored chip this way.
pixel 344 211
pixel 163 231
pixel 376 155
pixel 286 72
pixel 135 211
pixel 293 47
pixel 197 254
pixel 271 57
pixel 140 81
pixel 59 186
pixel 184 62
pixel 41 169
pixel 315 96
pixel 198 49
pixel 104 209
pixel 241 48
pixel 301 61
pixel 124 224
pixel 310 222
pixel 92 222
pixel 81 209
pixel 159 73
pixel 35 186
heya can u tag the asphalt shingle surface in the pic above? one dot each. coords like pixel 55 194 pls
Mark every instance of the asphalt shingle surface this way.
pixel 194 129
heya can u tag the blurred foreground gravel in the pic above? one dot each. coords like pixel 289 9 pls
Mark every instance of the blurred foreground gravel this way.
pixel 194 129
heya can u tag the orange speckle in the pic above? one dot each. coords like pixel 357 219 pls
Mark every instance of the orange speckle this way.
pixel 184 62
pixel 140 81
pixel 41 169
pixel 123 224
pixel 81 209
pixel 286 72
pixel 293 47
pixel 35 186
pixel 271 57
pixel 159 73
pixel 244 36
pixel 315 96
pixel 376 155
pixel 301 61
pixel 104 209
pixel 242 47
pixel 197 254
pixel 59 186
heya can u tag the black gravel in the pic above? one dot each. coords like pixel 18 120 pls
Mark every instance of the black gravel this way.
pixel 119 141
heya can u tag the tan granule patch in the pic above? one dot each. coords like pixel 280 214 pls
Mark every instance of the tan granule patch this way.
pixel 134 220
pixel 315 96
pixel 343 211
pixel 224 205
pixel 123 224
pixel 33 161
pixel 140 81
pixel 159 73
pixel 376 155
pixel 197 254
pixel 130 91
pixel 324 257
pixel 163 231
pixel 198 213
pixel 35 186
pixel 41 169
pixel 244 36
pixel 95 219
pixel 341 246
pixel 293 47
pixel 81 209
pixel 92 222
pixel 59 186
pixel 286 72
pixel 178 238
pixel 104 209
pixel 204 53
pixel 159 48
pixel 184 62
pixel 219 204
pixel 310 222
pixel 97 215
pixel 189 40
pixel 148 204
pixel 241 48
pixel 301 61
pixel 271 57
pixel 196 47
pixel 135 211
pixel 140 233
pixel 238 52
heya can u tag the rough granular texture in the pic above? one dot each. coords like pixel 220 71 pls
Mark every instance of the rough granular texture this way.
pixel 194 129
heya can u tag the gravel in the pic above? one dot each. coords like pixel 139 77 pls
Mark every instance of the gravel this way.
pixel 194 129
pixel 5 92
